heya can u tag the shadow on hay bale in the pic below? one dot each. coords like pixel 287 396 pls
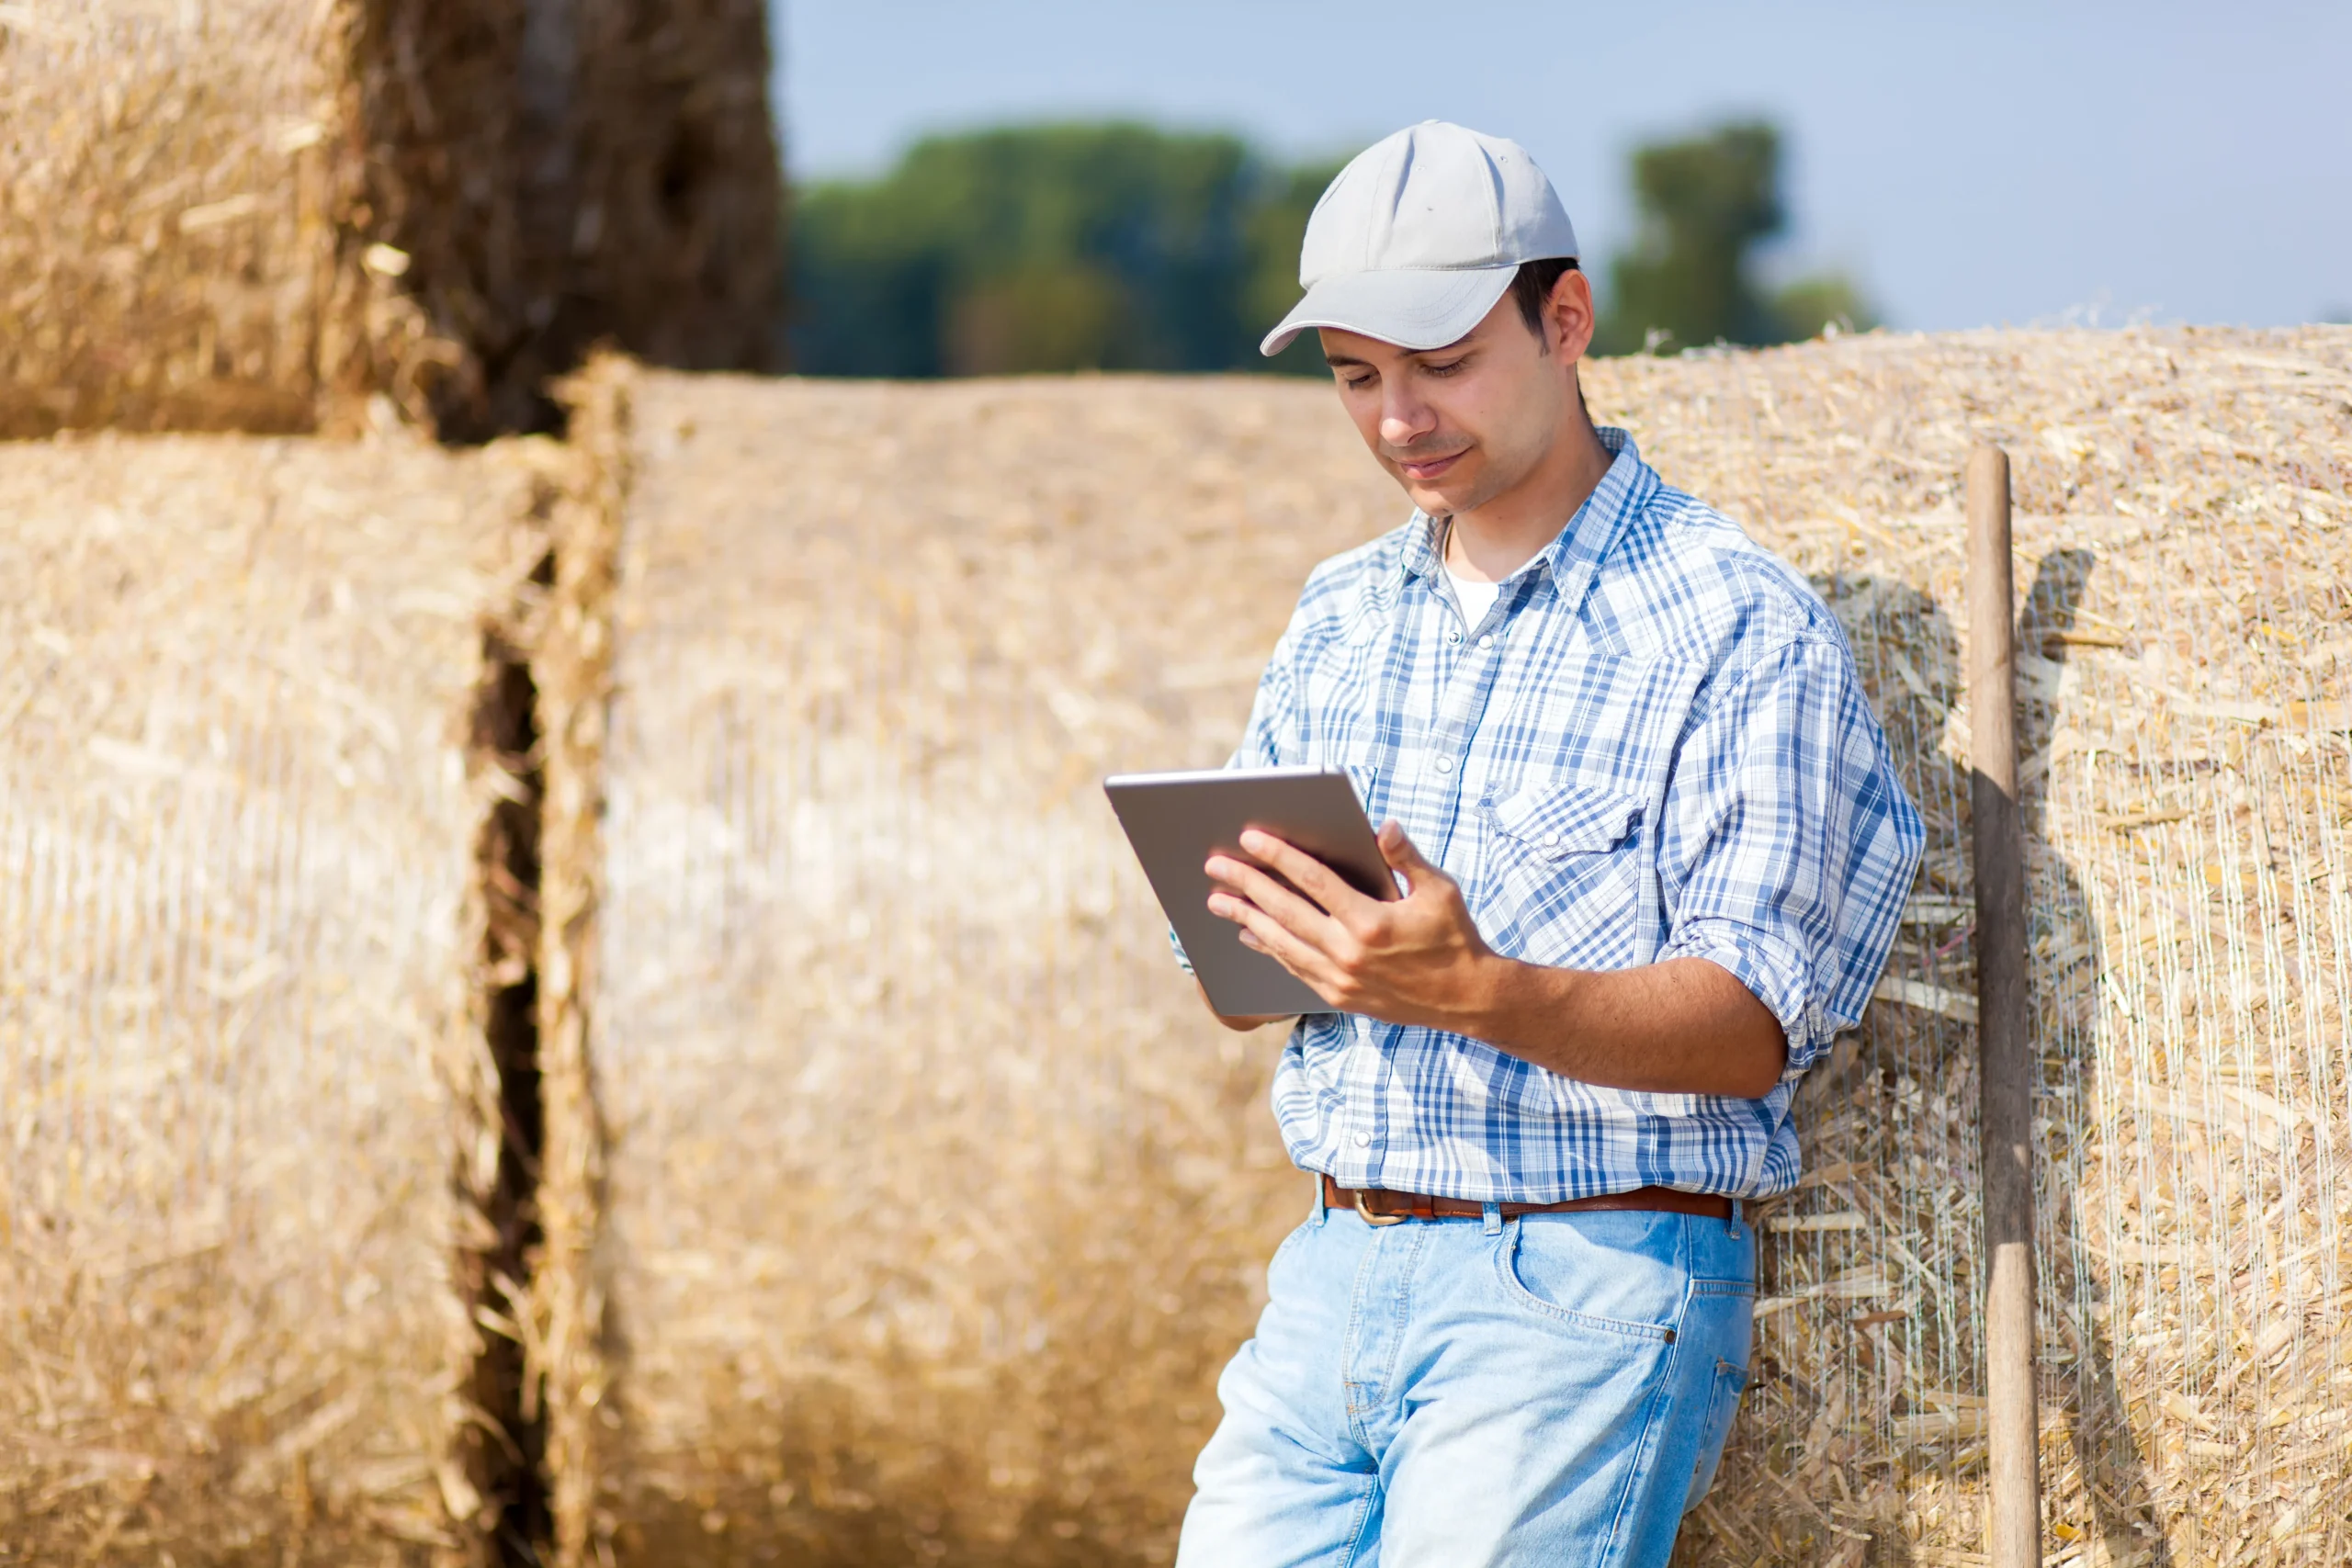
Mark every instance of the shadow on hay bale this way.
pixel 267 214
pixel 1890 1132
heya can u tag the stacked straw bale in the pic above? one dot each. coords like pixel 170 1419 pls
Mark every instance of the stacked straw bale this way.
pixel 933 1206
pixel 2185 556
pixel 250 1121
pixel 936 1199
pixel 267 214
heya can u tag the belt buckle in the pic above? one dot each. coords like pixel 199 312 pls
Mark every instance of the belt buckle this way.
pixel 1372 1219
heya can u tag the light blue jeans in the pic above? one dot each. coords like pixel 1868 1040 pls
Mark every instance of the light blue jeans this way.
pixel 1448 1393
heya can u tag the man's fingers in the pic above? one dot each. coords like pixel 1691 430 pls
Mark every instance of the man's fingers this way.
pixel 1398 847
pixel 1299 914
pixel 1269 936
pixel 1306 874
pixel 1403 855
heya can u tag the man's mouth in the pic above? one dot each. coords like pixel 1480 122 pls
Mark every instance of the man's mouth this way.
pixel 1423 469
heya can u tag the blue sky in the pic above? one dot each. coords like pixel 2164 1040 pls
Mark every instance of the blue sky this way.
pixel 1970 163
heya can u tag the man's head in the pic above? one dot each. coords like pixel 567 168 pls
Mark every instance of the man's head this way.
pixel 1441 272
pixel 1463 423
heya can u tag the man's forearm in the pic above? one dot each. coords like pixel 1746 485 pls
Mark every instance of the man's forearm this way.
pixel 1685 1026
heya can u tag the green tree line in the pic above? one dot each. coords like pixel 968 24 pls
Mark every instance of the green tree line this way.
pixel 1125 247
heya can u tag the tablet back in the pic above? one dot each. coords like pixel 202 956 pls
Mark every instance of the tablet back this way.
pixel 1177 820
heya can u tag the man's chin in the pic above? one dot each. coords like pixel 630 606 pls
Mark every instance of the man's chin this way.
pixel 1443 499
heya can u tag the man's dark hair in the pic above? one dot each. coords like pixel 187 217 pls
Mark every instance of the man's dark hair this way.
pixel 1532 287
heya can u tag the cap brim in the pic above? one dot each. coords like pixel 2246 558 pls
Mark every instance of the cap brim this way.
pixel 1415 310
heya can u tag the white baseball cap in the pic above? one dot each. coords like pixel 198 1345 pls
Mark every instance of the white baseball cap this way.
pixel 1420 234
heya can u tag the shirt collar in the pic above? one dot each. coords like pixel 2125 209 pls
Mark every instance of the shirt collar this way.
pixel 1577 551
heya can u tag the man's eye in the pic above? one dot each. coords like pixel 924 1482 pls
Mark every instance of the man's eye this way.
pixel 1355 383
pixel 1447 368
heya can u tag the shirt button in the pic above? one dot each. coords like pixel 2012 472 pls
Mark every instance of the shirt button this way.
pixel 1445 764
pixel 1453 633
pixel 1486 641
pixel 1363 1140
pixel 1550 840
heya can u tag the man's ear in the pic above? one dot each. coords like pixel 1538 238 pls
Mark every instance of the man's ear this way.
pixel 1570 318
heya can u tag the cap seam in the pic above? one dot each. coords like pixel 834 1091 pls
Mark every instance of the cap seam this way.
pixel 1494 202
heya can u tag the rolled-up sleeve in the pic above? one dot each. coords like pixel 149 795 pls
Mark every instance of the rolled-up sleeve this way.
pixel 1788 846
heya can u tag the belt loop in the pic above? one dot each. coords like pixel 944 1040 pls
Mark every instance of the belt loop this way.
pixel 1733 1223
pixel 1494 1214
pixel 1315 1219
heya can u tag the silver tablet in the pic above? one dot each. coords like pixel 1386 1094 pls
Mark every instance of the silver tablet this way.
pixel 1177 820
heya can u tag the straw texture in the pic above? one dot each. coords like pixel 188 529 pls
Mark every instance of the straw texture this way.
pixel 573 660
pixel 288 214
pixel 933 1205
pixel 170 180
pixel 2183 541
pixel 936 1200
pixel 251 1123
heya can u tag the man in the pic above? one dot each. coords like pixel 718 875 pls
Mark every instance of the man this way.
pixel 1655 853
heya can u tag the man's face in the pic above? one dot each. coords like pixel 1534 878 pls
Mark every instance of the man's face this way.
pixel 1459 425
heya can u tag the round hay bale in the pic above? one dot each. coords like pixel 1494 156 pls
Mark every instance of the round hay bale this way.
pixel 2183 535
pixel 265 215
pixel 936 1199
pixel 932 1205
pixel 251 1144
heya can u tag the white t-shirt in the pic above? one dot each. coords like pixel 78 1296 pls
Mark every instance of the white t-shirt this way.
pixel 1475 598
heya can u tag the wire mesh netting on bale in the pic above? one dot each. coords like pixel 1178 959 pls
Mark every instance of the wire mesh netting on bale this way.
pixel 933 1206
pixel 253 1190
pixel 2185 544
pixel 261 214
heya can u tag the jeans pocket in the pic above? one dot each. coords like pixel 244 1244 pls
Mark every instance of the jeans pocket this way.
pixel 1723 1404
pixel 1542 1296
pixel 1289 1244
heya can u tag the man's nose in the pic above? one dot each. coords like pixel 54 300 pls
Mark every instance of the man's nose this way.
pixel 1405 420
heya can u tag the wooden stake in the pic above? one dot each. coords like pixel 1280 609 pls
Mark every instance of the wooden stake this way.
pixel 2005 1045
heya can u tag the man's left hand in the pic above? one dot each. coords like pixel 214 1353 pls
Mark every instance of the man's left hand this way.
pixel 1416 960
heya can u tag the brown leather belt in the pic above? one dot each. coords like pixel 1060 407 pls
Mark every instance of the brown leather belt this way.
pixel 1382 1207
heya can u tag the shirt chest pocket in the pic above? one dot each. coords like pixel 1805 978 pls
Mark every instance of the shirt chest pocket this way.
pixel 1564 875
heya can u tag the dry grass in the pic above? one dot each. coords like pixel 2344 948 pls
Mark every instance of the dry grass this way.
pixel 574 663
pixel 169 193
pixel 268 214
pixel 933 1208
pixel 252 1120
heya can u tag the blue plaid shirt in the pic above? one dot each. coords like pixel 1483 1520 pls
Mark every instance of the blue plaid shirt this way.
pixel 1654 746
